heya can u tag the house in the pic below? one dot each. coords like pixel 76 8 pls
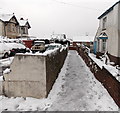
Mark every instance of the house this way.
pixel 58 37
pixel 107 39
pixel 85 40
pixel 24 26
pixel 12 28
pixel 9 25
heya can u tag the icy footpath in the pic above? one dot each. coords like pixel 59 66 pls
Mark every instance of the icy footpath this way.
pixel 81 91
pixel 75 89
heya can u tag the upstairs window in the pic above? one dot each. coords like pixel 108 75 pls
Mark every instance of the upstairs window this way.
pixel 13 28
pixel 23 30
pixel 9 28
pixel 104 23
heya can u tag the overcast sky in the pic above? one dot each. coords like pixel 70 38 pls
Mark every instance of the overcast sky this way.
pixel 72 17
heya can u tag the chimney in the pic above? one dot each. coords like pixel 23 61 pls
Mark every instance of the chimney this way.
pixel 21 19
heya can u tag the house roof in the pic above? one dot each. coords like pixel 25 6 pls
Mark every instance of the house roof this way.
pixel 109 10
pixel 6 17
pixel 58 36
pixel 23 22
pixel 103 36
pixel 83 38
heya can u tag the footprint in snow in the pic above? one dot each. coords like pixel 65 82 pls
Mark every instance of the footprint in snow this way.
pixel 16 106
pixel 67 68
pixel 67 74
pixel 62 86
pixel 63 78
pixel 94 82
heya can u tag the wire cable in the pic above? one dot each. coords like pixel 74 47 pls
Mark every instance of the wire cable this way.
pixel 75 5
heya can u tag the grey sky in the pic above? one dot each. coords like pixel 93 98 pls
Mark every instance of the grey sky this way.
pixel 72 17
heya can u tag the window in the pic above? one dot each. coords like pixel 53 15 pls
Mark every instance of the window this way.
pixel 13 28
pixel 26 30
pixel 104 45
pixel 104 23
pixel 22 30
pixel 9 28
pixel 17 29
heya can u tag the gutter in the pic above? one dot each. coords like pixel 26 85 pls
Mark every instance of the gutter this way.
pixel 109 10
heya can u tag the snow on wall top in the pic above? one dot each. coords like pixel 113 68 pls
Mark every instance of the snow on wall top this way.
pixel 83 38
pixel 6 17
pixel 101 64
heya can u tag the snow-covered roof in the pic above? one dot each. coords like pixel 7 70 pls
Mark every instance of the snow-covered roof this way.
pixel 58 36
pixel 6 17
pixel 83 38
pixel 24 22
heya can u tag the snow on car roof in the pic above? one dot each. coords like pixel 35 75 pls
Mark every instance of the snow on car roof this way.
pixel 39 41
pixel 55 44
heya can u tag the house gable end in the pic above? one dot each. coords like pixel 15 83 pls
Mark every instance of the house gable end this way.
pixel 27 24
pixel 109 10
pixel 14 20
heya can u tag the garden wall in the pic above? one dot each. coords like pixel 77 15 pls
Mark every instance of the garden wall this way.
pixel 106 78
pixel 33 75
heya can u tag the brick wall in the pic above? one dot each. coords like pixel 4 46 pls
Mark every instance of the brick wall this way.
pixel 54 64
pixel 107 80
pixel 72 48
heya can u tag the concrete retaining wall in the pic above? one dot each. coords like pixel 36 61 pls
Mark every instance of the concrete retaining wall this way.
pixel 33 75
pixel 24 89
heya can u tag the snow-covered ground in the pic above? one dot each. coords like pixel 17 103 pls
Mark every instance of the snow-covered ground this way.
pixel 75 89
pixel 6 62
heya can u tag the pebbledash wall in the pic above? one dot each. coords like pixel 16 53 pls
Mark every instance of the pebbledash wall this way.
pixel 107 80
pixel 33 75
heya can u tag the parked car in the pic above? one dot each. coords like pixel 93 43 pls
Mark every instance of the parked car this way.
pixel 53 46
pixel 38 46
pixel 13 47
pixel 4 50
pixel 16 47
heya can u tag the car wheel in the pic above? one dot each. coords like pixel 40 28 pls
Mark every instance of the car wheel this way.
pixel 33 51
